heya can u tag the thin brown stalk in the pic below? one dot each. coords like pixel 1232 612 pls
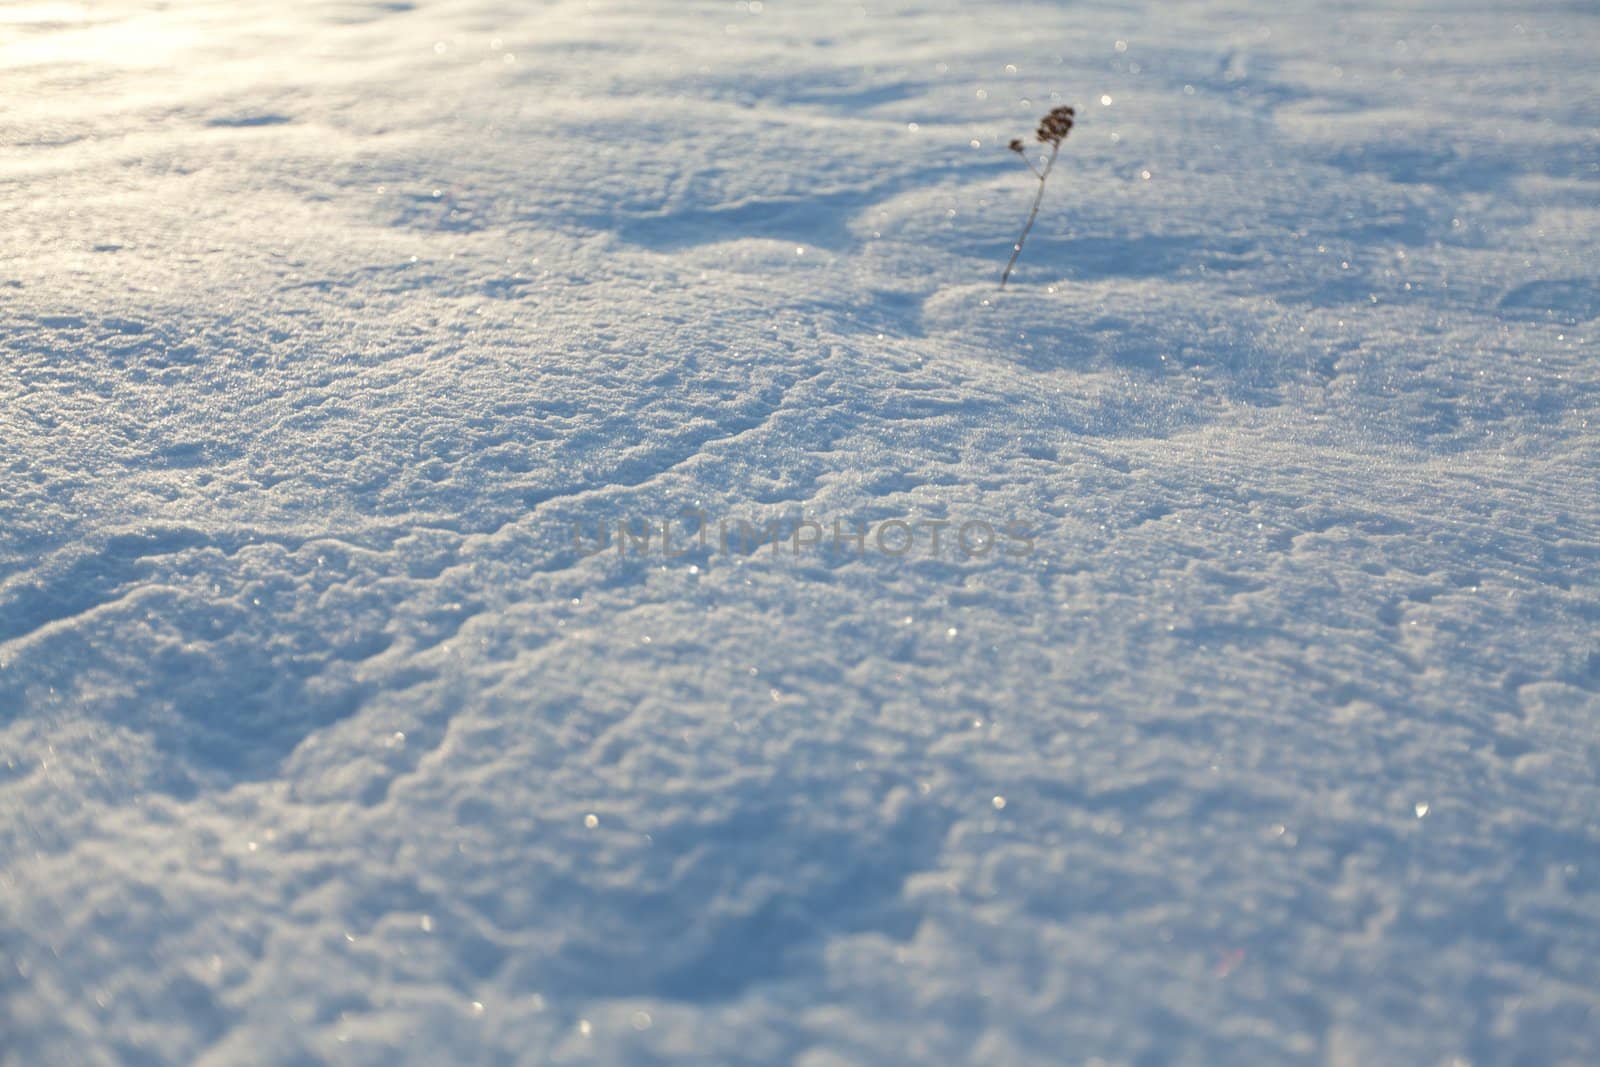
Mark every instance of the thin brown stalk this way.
pixel 1038 197
pixel 1053 129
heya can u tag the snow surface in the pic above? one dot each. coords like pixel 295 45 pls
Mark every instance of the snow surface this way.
pixel 325 325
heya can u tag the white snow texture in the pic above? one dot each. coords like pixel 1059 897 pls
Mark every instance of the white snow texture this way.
pixel 1245 712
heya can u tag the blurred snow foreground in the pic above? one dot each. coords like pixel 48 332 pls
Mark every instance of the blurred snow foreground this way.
pixel 469 481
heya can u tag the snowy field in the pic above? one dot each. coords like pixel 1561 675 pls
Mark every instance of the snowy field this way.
pixel 1246 711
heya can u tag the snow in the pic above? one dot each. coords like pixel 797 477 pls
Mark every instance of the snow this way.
pixel 334 333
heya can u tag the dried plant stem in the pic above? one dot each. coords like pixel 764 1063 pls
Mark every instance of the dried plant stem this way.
pixel 1038 197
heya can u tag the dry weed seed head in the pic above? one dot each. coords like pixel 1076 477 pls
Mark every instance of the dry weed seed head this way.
pixel 1053 129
